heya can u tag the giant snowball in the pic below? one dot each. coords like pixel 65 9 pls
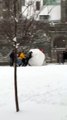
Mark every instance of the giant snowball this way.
pixel 37 59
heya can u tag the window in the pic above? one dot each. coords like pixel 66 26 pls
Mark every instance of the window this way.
pixel 51 2
pixel 59 42
pixel 23 2
pixel 44 18
pixel 37 5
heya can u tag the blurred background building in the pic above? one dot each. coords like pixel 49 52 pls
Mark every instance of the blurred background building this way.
pixel 52 14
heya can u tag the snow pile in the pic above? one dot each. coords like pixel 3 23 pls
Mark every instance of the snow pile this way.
pixel 38 57
pixel 42 93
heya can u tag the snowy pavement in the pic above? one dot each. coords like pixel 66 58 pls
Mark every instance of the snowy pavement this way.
pixel 42 93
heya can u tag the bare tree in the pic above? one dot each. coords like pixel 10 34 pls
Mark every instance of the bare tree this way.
pixel 24 31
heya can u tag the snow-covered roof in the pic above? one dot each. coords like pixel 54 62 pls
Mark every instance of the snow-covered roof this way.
pixel 54 11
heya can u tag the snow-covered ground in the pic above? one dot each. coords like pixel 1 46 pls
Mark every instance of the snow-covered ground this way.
pixel 42 93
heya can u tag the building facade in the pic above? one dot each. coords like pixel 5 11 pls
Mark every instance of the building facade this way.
pixel 59 35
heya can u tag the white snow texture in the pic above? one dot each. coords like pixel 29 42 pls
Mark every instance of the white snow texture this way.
pixel 38 57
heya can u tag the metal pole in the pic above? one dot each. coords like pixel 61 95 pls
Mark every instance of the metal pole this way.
pixel 15 67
